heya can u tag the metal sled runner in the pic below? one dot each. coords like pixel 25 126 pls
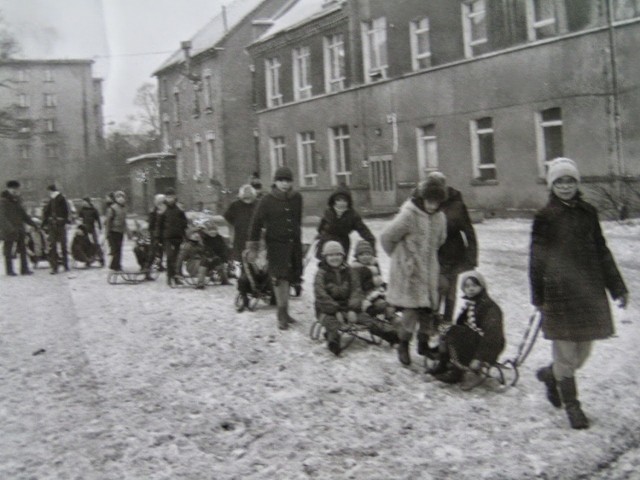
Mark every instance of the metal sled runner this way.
pixel 130 278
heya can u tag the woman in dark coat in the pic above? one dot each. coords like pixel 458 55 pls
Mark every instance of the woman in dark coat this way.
pixel 339 220
pixel 570 271
pixel 239 216
pixel 280 214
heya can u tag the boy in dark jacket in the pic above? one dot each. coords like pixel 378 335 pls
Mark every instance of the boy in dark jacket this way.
pixel 172 224
pixel 570 271
pixel 12 220
pixel 477 338
pixel 91 219
pixel 339 220
pixel 55 218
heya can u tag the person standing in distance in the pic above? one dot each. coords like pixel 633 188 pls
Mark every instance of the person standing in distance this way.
pixel 12 220
pixel 55 220
pixel 280 214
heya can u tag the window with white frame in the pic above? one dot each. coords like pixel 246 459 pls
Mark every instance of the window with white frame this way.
pixel 176 105
pixel 207 86
pixel 301 57
pixel 272 75
pixel 24 152
pixel 548 138
pixel 179 161
pixel 197 156
pixel 625 9
pixel 427 150
pixel 334 63
pixel 211 154
pixel 164 89
pixel 22 76
pixel 48 75
pixel 474 26
pixel 50 100
pixel 340 154
pixel 545 18
pixel 307 162
pixel 51 151
pixel 420 43
pixel 278 152
pixel 50 125
pixel 484 163
pixel 166 130
pixel 374 49
pixel 23 100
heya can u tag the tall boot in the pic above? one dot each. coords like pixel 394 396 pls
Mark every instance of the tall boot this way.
pixel 282 302
pixel 403 352
pixel 423 343
pixel 333 343
pixel 388 335
pixel 569 394
pixel 8 266
pixel 545 375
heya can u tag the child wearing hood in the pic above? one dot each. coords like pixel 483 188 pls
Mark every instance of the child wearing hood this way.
pixel 476 339
pixel 339 220
pixel 373 286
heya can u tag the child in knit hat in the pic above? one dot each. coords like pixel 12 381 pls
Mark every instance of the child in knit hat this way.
pixel 373 286
pixel 570 271
pixel 476 339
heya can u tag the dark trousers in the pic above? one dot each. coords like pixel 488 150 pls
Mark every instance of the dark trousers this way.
pixel 115 245
pixel 58 236
pixel 21 250
pixel 171 249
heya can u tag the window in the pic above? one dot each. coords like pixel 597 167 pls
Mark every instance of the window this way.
pixel 334 63
pixel 272 71
pixel 374 47
pixel 545 18
pixel 22 75
pixel 179 161
pixel 165 131
pixel 625 9
pixel 51 151
pixel 474 26
pixel 301 73
pixel 164 89
pixel 176 105
pixel 211 138
pixel 278 153
pixel 307 159
pixel 484 164
pixel 340 155
pixel 208 91
pixel 196 101
pixel 48 75
pixel 23 100
pixel 50 100
pixel 197 156
pixel 24 152
pixel 427 150
pixel 420 44
pixel 548 138
pixel 50 125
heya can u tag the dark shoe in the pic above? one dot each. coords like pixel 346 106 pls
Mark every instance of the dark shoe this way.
pixel 26 272
pixel 441 367
pixel 422 344
pixel 403 352
pixel 177 281
pixel 545 375
pixel 453 375
pixel 12 274
pixel 569 394
pixel 226 282
pixel 334 347
pixel 199 287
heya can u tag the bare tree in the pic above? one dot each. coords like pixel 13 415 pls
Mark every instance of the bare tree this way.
pixel 146 100
pixel 9 46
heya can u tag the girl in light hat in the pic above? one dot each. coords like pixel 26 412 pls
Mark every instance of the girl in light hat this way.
pixel 570 271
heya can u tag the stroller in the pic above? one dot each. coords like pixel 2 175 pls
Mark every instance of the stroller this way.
pixel 37 245
pixel 254 283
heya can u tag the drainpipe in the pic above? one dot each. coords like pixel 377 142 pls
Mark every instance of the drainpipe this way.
pixel 615 97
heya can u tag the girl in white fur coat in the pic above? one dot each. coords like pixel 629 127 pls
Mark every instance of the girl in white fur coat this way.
pixel 412 240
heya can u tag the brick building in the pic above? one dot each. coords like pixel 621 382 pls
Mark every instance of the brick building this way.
pixel 59 137
pixel 375 94
pixel 206 104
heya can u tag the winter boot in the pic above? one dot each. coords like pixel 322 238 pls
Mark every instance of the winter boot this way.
pixel 423 343
pixel 451 375
pixel 333 343
pixel 569 394
pixel 545 375
pixel 282 299
pixel 403 352
pixel 388 335
pixel 283 322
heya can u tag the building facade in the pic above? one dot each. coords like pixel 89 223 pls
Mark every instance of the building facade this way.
pixel 58 137
pixel 375 94
pixel 207 104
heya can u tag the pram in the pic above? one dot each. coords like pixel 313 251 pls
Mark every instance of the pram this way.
pixel 37 245
pixel 254 284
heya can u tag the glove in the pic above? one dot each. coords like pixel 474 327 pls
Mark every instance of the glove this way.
pixel 476 365
pixel 623 300
pixel 352 317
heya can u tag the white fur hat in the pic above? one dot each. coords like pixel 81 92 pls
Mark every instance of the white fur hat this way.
pixel 332 247
pixel 560 167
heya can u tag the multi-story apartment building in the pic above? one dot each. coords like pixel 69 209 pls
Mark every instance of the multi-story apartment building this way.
pixel 375 94
pixel 206 104
pixel 57 105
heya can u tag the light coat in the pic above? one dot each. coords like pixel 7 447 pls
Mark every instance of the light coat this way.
pixel 412 240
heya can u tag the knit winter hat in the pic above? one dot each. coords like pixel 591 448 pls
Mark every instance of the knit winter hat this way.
pixel 475 275
pixel 437 178
pixel 332 247
pixel 159 199
pixel 561 167
pixel 430 191
pixel 119 193
pixel 363 247
pixel 247 192
pixel 283 173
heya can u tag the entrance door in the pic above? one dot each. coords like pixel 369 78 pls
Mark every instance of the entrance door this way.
pixel 382 181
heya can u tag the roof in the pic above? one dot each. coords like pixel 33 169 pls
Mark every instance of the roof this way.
pixel 303 12
pixel 34 61
pixel 215 31
pixel 150 156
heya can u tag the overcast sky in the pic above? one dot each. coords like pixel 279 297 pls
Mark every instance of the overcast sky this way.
pixel 123 36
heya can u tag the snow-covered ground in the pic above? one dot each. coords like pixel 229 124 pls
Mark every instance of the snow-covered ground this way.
pixel 147 382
